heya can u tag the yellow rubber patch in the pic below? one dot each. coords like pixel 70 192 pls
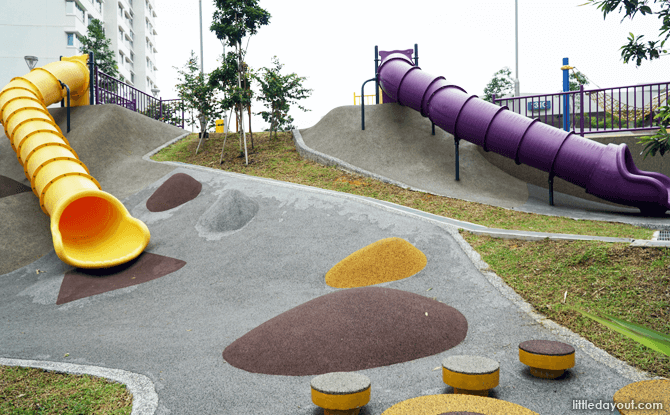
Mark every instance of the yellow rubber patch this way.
pixel 388 259
pixel 638 398
pixel 439 404
pixel 547 362
pixel 341 402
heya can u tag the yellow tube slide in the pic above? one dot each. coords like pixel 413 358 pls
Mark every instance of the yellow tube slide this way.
pixel 90 228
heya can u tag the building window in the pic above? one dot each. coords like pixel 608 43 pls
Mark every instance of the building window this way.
pixel 72 7
pixel 121 35
pixel 132 78
pixel 120 11
pixel 98 4
pixel 70 39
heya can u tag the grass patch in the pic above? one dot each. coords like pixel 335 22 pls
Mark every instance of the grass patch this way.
pixel 631 283
pixel 279 159
pixel 36 391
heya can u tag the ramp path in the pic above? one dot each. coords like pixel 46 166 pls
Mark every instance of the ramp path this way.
pixel 240 256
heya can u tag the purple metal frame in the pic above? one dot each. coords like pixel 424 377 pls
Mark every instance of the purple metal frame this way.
pixel 595 110
pixel 109 90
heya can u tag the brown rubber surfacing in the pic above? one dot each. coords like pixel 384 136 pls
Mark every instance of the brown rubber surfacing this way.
pixel 349 330
pixel 82 283
pixel 175 191
pixel 547 347
pixel 10 187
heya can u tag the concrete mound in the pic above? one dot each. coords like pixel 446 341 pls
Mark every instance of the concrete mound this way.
pixel 230 213
pixel 397 144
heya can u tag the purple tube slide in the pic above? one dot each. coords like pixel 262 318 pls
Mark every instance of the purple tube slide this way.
pixel 605 171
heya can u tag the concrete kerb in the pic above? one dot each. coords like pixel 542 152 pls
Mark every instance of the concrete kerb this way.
pixel 563 333
pixel 145 399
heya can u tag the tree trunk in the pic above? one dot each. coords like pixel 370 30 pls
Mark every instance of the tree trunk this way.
pixel 251 134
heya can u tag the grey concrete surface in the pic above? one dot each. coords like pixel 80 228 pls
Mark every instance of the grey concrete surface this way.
pixel 172 330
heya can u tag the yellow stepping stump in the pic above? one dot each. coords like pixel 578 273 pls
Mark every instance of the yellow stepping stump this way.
pixel 547 359
pixel 471 375
pixel 644 398
pixel 341 393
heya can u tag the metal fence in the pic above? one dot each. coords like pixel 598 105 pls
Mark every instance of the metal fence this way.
pixel 109 90
pixel 624 108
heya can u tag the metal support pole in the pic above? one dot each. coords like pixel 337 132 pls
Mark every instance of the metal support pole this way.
pixel 551 189
pixel 68 103
pixel 376 79
pixel 416 54
pixel 363 102
pixel 433 127
pixel 92 84
pixel 566 101
pixel 517 87
pixel 456 141
pixel 581 109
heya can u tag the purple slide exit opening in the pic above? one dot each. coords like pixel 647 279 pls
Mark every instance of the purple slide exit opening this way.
pixel 605 171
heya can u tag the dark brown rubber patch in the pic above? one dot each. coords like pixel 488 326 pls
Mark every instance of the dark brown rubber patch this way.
pixel 10 187
pixel 547 347
pixel 349 330
pixel 82 283
pixel 175 191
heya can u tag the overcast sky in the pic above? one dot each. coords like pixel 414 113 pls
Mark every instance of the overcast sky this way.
pixel 332 44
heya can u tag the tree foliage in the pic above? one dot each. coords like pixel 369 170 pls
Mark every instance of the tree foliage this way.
pixel 501 84
pixel 198 93
pixel 576 79
pixel 279 92
pixel 636 50
pixel 95 41
pixel 658 143
pixel 235 19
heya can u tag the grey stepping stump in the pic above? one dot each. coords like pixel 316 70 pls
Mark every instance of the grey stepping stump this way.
pixel 341 393
pixel 547 359
pixel 471 375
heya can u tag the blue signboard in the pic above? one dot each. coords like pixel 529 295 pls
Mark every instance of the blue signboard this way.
pixel 539 105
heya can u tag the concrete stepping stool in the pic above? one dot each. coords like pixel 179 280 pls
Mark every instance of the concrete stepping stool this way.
pixel 547 359
pixel 341 393
pixel 471 375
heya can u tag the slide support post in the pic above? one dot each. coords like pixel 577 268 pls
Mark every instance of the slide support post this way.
pixel 456 142
pixel 376 76
pixel 68 103
pixel 363 101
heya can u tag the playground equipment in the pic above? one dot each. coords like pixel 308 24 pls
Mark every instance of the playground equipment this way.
pixel 90 228
pixel 605 171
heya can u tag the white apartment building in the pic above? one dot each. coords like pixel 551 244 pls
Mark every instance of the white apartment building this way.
pixel 49 29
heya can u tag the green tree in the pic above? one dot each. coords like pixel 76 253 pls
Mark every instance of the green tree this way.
pixel 279 92
pixel 232 22
pixel 576 79
pixel 636 50
pixel 95 41
pixel 500 85
pixel 198 93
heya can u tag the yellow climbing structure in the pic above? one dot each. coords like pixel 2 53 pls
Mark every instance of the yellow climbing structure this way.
pixel 90 228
